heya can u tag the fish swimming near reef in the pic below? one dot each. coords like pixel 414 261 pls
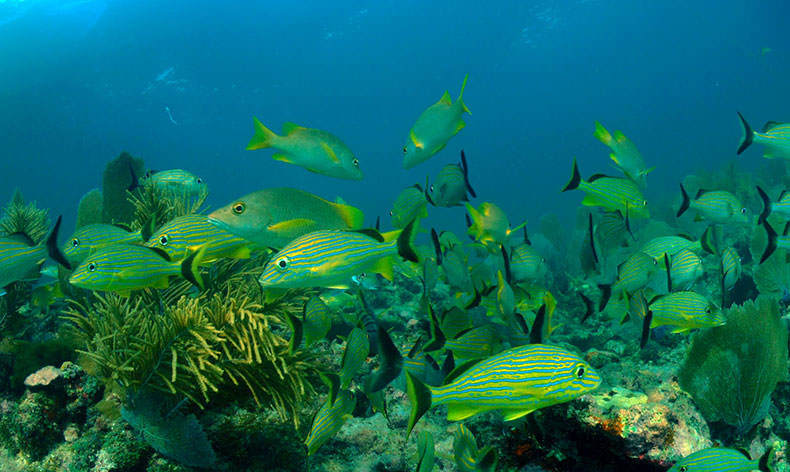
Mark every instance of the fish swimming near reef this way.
pixel 451 186
pixel 716 206
pixel 329 419
pixel 624 154
pixel 409 204
pixel 180 235
pixel 178 181
pixel 684 311
pixel 21 258
pixel 515 382
pixel 774 136
pixel 276 216
pixel 89 238
pixel 720 459
pixel 313 149
pixel 434 128
pixel 489 224
pixel 780 207
pixel 611 193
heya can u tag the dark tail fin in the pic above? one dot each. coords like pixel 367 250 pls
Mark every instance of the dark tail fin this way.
pixel 536 331
pixel 590 309
pixel 465 168
pixel 669 272
pixel 526 238
pixel 576 178
pixel 765 459
pixel 708 241
pixel 437 246
pixel 378 223
pixel 748 134
pixel 685 205
pixel 606 293
pixel 390 363
pixel 766 206
pixel 420 396
pixel 469 225
pixel 771 247
pixel 406 242
pixel 437 336
pixel 592 238
pixel 297 331
pixel 646 329
pixel 190 267
pixel 52 246
pixel 506 259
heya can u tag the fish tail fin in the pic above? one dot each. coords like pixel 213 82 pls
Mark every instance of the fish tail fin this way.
pixel 669 272
pixel 606 294
pixel 353 217
pixel 589 308
pixel 190 267
pixel 771 247
pixel 576 178
pixel 437 246
pixel 420 397
pixel 262 138
pixel 591 234
pixel 461 95
pixel 646 329
pixel 52 246
pixel 708 241
pixel 766 206
pixel 762 464
pixel 536 331
pixel 406 248
pixel 686 202
pixel 602 134
pixel 748 134
pixel 465 168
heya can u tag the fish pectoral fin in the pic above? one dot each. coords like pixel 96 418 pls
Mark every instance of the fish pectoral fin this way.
pixel 339 287
pixel 281 156
pixel 300 225
pixel 330 152
pixel 510 415
pixel 461 411
pixel 591 200
pixel 241 253
pixel 446 98
pixel 680 329
pixel 698 218
pixel 161 283
pixel 384 267
pixel 417 143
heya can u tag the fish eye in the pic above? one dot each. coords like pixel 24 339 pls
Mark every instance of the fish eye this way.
pixel 238 208
pixel 91 267
pixel 743 211
pixel 579 371
pixel 644 202
pixel 405 149
pixel 163 240
pixel 390 212
pixel 683 468
pixel 281 263
pixel 355 162
pixel 75 242
pixel 199 180
pixel 431 188
pixel 707 310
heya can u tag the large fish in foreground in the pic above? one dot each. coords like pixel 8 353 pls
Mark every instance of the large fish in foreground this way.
pixel 316 150
pixel 89 238
pixel 276 216
pixel 516 382
pixel 774 136
pixel 434 127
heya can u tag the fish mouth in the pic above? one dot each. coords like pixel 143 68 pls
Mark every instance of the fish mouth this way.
pixel 219 224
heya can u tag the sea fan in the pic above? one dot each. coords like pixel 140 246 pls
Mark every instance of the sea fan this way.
pixel 21 217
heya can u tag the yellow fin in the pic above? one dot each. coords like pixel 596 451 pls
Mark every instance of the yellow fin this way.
pixel 460 126
pixel 280 156
pixel 414 140
pixel 590 200
pixel 263 137
pixel 461 411
pixel 241 253
pixel 446 99
pixel 438 148
pixel 330 152
pixel 161 283
pixel 390 236
pixel 353 217
pixel 290 226
pixel 510 415
pixel 289 127
pixel 384 267
pixel 602 134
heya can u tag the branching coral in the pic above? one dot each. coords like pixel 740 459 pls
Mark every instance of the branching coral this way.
pixel 155 206
pixel 21 217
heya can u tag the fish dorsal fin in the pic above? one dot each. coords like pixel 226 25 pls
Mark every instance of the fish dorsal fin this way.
pixel 370 232
pixel 787 229
pixel 161 253
pixel 446 99
pixel 595 177
pixel 686 236
pixel 330 152
pixel 770 125
pixel 654 299
pixel 289 127
pixel 458 371
pixel 739 449
pixel 21 237
pixel 700 193
pixel 781 195
pixel 123 226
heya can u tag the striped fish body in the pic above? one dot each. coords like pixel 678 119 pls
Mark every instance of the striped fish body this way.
pixel 177 181
pixel 517 382
pixel 615 194
pixel 468 458
pixel 357 350
pixel 184 233
pixel 475 343
pixel 88 238
pixel 731 268
pixel 316 320
pixel 123 268
pixel 685 311
pixel 717 459
pixel 719 206
pixel 456 272
pixel 782 205
pixel 670 245
pixel 409 204
pixel 449 189
pixel 624 154
pixel 19 260
pixel 685 269
pixel 526 263
pixel 274 217
pixel 776 139
pixel 329 419
pixel 635 272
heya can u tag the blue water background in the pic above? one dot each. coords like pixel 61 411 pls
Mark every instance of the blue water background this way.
pixel 81 81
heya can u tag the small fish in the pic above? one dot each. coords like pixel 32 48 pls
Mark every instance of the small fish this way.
pixel 716 206
pixel 21 258
pixel 490 224
pixel 611 193
pixel 176 181
pixel 720 459
pixel 684 269
pixel 409 204
pixel 184 233
pixel 329 419
pixel 276 216
pixel 526 264
pixel 425 452
pixel 330 258
pixel 316 320
pixel 88 238
pixel 124 267
pixel 685 311
pixel 456 272
pixel 670 245
pixel 774 136
pixel 357 350
pixel 634 273
pixel 781 206
pixel 516 382
pixel 316 150
pixel 775 241
pixel 731 268
pixel 624 154
pixel 505 298
pixel 474 343
pixel 434 128
pixel 468 458
pixel 451 185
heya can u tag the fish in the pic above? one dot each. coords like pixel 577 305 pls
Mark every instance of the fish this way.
pixel 316 320
pixel 781 206
pixel 515 382
pixel 611 193
pixel 721 459
pixel 88 238
pixel 634 273
pixel 329 419
pixel 775 137
pixel 354 356
pixel 474 343
pixel 489 224
pixel 624 154
pixel 425 452
pixel 409 204
pixel 21 258
pixel 684 311
pixel 684 269
pixel 716 206
pixel 434 128
pixel 468 458
pixel 276 216
pixel 184 233
pixel 122 268
pixel 505 298
pixel 774 240
pixel 330 258
pixel 526 264
pixel 456 272
pixel 451 186
pixel 670 245
pixel 731 271
pixel 177 181
pixel 313 149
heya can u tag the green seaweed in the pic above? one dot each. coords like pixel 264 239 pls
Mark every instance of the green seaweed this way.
pixel 731 370
pixel 26 218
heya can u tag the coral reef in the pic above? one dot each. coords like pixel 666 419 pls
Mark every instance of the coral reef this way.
pixel 90 207
pixel 25 218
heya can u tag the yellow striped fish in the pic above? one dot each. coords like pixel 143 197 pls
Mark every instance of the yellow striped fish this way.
pixel 516 382
pixel 731 268
pixel 716 206
pixel 657 247
pixel 468 458
pixel 634 273
pixel 720 459
pixel 474 343
pixel 20 257
pixel 611 193
pixel 489 224
pixel 357 350
pixel 451 185
pixel 774 136
pixel 178 181
pixel 184 233
pixel 329 420
pixel 526 264
pixel 685 268
pixel 123 267
pixel 88 238
pixel 781 206
pixel 685 311
pixel 409 204
pixel 331 258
